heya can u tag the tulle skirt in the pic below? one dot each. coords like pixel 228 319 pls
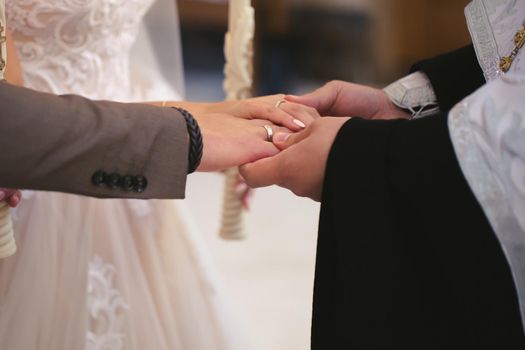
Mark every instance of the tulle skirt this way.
pixel 109 274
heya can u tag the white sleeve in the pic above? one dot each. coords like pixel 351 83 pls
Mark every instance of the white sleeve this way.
pixel 415 94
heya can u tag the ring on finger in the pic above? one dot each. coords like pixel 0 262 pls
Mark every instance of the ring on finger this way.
pixel 279 103
pixel 269 133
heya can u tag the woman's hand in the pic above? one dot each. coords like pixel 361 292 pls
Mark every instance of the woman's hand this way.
pixel 340 99
pixel 10 196
pixel 273 108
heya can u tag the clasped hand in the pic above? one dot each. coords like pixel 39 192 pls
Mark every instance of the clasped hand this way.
pixel 301 165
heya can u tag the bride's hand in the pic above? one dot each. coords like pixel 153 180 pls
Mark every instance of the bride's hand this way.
pixel 10 196
pixel 274 108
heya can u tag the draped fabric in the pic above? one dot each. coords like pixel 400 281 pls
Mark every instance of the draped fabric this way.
pixel 104 274
pixel 421 230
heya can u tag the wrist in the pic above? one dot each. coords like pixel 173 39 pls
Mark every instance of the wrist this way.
pixel 195 148
pixel 209 107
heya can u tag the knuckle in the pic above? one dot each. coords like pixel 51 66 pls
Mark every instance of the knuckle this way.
pixel 335 84
pixel 300 191
pixel 269 110
pixel 248 178
pixel 311 110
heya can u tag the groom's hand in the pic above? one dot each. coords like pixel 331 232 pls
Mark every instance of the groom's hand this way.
pixel 300 167
pixel 339 98
pixel 230 141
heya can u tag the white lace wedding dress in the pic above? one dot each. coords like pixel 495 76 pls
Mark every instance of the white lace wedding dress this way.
pixel 90 273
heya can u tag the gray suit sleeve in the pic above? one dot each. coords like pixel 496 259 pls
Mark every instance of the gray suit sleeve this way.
pixel 58 143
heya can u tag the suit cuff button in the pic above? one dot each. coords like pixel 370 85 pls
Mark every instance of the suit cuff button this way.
pixel 128 183
pixel 113 181
pixel 140 184
pixel 99 178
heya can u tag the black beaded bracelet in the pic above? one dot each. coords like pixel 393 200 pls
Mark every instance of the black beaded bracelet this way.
pixel 196 144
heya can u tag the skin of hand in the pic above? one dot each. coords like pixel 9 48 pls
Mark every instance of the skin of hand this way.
pixel 300 167
pixel 10 196
pixel 230 141
pixel 339 98
pixel 291 115
pixel 13 72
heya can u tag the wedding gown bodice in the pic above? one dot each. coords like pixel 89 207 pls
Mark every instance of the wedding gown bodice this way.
pixel 80 46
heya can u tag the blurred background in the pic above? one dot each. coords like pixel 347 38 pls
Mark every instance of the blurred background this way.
pixel 299 45
pixel 303 43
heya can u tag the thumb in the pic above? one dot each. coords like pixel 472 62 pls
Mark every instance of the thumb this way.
pixel 283 140
pixel 321 99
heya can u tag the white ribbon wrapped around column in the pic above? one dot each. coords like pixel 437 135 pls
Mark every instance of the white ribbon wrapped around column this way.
pixel 238 70
pixel 7 238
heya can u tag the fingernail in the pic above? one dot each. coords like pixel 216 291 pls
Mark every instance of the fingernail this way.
pixel 2 195
pixel 299 123
pixel 281 137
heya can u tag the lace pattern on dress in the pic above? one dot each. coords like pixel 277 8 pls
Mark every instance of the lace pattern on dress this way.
pixel 76 45
pixel 487 130
pixel 106 308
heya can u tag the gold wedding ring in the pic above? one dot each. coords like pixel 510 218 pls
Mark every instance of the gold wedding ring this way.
pixel 269 133
pixel 279 103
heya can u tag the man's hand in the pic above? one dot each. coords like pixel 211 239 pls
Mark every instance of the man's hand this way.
pixel 230 141
pixel 300 167
pixel 339 98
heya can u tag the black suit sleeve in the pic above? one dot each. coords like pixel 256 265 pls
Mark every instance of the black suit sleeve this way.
pixel 454 75
pixel 406 258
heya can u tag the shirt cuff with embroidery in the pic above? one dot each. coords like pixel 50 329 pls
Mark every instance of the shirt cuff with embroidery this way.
pixel 414 93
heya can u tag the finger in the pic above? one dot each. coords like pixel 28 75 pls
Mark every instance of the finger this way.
pixel 284 140
pixel 275 115
pixel 313 99
pixel 321 99
pixel 263 134
pixel 302 113
pixel 260 150
pixel 264 172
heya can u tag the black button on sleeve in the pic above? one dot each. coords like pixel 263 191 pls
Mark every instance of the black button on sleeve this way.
pixel 140 184
pixel 99 178
pixel 113 181
pixel 128 183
